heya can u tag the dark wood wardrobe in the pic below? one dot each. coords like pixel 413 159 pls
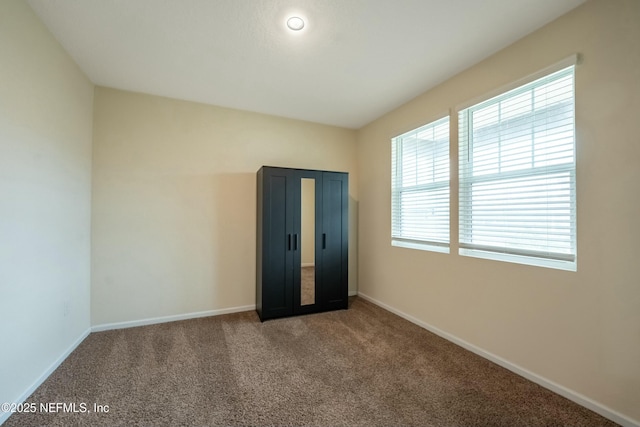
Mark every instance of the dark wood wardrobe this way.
pixel 302 241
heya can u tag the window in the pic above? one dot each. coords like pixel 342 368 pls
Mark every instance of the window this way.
pixel 420 187
pixel 517 175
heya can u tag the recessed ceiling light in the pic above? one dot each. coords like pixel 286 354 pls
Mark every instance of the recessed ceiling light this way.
pixel 295 23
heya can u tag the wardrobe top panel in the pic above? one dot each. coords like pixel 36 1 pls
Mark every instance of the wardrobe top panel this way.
pixel 298 169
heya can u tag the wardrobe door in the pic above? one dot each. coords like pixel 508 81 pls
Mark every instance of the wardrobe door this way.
pixel 308 210
pixel 335 243
pixel 279 186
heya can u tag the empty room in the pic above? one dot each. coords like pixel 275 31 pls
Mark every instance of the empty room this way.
pixel 320 212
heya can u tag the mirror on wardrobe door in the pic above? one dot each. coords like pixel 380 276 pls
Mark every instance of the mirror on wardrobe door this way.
pixel 308 244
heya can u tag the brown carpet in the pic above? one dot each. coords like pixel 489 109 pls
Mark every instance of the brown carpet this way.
pixel 358 367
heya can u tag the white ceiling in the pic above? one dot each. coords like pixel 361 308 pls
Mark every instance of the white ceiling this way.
pixel 354 61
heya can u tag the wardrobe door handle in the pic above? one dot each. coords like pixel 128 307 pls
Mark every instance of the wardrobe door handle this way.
pixel 324 241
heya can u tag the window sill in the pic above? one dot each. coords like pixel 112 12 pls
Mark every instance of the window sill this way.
pixel 423 246
pixel 520 259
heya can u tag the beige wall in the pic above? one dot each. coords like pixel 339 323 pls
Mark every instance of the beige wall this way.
pixel 45 184
pixel 174 201
pixel 580 330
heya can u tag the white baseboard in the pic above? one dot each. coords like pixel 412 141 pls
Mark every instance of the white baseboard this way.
pixel 5 415
pixel 353 293
pixel 544 382
pixel 174 318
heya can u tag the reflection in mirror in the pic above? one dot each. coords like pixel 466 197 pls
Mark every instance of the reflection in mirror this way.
pixel 308 244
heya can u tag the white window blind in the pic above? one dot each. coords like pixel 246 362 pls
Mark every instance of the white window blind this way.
pixel 420 187
pixel 517 172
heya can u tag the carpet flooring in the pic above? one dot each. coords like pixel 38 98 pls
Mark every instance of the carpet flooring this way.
pixel 358 367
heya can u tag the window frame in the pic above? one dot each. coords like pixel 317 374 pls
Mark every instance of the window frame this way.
pixel 466 179
pixel 397 190
pixel 455 178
